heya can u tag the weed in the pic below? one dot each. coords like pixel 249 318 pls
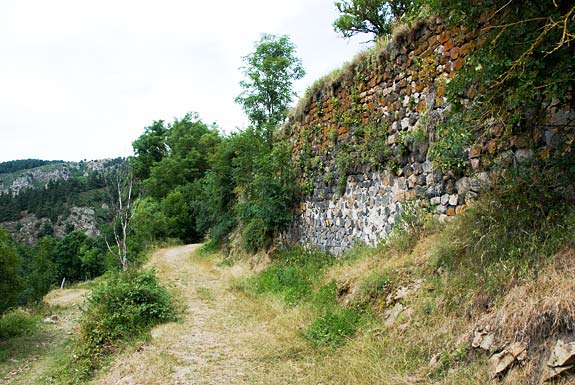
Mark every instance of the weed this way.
pixel 334 327
pixel 291 275
pixel 122 308
pixel 325 298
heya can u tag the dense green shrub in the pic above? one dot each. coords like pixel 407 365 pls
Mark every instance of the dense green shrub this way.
pixel 10 279
pixel 123 306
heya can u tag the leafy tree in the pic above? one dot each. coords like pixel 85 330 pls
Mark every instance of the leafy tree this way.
pixel 369 16
pixel 189 141
pixel 149 149
pixel 149 221
pixel 10 279
pixel 267 89
pixel 67 256
pixel 266 203
pixel 43 274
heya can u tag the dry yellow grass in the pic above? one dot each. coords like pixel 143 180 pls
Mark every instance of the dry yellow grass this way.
pixel 228 336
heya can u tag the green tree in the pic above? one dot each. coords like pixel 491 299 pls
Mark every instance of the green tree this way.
pixel 267 90
pixel 189 142
pixel 10 279
pixel 67 256
pixel 149 149
pixel 369 16
pixel 43 274
pixel 149 221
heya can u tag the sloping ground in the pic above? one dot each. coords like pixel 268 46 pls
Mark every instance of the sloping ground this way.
pixel 217 341
pixel 228 336
pixel 26 359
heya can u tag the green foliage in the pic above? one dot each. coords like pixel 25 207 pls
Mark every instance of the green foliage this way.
pixel 122 307
pixel 266 202
pixel 149 149
pixel 454 138
pixel 55 199
pixel 267 90
pixel 24 164
pixel 508 233
pixel 44 273
pixel 10 279
pixel 189 142
pixel 67 261
pixel 325 297
pixel 16 323
pixel 373 148
pixel 343 162
pixel 524 68
pixel 292 274
pixel 149 221
pixel 369 16
pixel 334 327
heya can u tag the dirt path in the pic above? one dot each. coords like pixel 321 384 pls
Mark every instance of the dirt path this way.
pixel 212 344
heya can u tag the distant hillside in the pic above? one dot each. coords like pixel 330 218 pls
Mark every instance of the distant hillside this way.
pixel 24 164
pixel 54 198
pixel 25 177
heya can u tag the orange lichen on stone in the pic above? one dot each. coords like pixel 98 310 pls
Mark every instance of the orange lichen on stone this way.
pixel 443 37
pixel 421 106
pixel 458 64
pixel 455 52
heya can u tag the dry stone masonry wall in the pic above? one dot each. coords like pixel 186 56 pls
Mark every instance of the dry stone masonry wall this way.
pixel 361 141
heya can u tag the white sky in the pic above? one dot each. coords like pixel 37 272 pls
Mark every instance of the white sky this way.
pixel 81 79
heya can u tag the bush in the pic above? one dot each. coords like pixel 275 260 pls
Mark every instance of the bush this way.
pixel 255 236
pixel 123 307
pixel 16 323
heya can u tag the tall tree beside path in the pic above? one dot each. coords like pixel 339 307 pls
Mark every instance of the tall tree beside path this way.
pixel 268 86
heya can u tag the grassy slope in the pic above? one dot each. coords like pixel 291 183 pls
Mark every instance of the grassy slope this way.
pixel 429 342
pixel 25 359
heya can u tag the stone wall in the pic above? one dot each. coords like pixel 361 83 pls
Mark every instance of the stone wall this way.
pixel 361 141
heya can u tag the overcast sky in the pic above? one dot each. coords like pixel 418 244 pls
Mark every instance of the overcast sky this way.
pixel 81 79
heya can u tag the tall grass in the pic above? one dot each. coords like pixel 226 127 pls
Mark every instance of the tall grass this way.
pixel 512 231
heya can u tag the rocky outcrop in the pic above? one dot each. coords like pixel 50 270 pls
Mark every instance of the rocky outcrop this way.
pixel 561 360
pixel 40 177
pixel 29 228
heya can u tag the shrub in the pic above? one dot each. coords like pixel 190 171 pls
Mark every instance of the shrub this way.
pixel 123 307
pixel 255 235
pixel 16 323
